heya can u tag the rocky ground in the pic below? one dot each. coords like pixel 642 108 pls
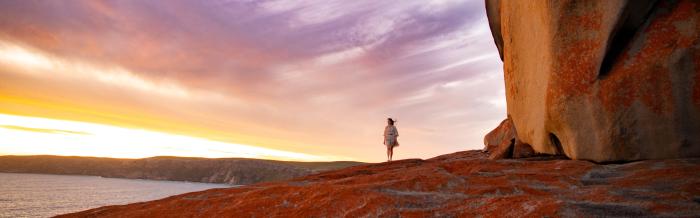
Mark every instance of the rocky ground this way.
pixel 459 184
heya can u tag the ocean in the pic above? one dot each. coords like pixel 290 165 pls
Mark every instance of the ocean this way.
pixel 40 195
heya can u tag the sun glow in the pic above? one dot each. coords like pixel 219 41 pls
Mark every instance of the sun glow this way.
pixel 20 135
pixel 22 57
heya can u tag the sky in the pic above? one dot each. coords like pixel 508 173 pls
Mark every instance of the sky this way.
pixel 287 80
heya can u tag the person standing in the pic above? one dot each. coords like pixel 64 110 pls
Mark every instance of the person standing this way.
pixel 390 138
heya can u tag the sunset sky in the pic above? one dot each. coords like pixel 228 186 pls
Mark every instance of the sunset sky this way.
pixel 289 80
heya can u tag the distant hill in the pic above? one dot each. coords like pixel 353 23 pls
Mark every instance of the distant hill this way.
pixel 235 171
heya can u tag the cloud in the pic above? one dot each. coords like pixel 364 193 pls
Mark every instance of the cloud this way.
pixel 321 74
pixel 41 130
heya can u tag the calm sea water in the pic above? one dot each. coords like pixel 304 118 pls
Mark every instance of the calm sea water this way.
pixel 39 195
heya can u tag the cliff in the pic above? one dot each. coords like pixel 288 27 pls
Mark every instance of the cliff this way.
pixel 460 184
pixel 235 171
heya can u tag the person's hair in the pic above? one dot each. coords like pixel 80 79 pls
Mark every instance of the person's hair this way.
pixel 392 121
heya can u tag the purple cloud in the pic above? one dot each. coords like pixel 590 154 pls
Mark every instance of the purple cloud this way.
pixel 334 68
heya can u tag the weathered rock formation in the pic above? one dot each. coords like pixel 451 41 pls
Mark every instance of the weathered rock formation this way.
pixel 501 137
pixel 235 171
pixel 464 184
pixel 602 80
pixel 500 143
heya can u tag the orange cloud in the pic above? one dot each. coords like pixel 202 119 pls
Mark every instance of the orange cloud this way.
pixel 276 75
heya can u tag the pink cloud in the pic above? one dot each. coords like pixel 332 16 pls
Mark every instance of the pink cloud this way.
pixel 302 69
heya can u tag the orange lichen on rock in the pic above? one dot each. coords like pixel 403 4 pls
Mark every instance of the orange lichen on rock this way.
pixel 580 38
pixel 460 184
pixel 644 74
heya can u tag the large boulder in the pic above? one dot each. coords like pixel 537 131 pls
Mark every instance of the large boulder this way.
pixel 602 80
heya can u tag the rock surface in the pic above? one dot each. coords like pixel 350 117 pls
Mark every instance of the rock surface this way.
pixel 503 135
pixel 502 143
pixel 235 171
pixel 459 184
pixel 602 80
